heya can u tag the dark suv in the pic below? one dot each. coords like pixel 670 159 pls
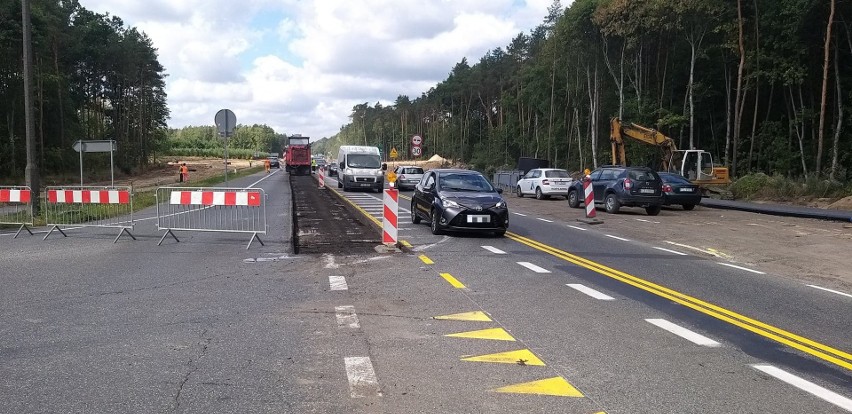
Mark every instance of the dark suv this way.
pixel 618 186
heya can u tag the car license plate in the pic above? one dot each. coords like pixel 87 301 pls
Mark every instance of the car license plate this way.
pixel 477 218
pixel 647 191
pixel 686 190
pixel 560 189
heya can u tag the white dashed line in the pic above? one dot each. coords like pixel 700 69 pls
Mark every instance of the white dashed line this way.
pixel 742 268
pixel 533 267
pixel 337 283
pixel 806 386
pixel 493 249
pixel 671 251
pixel 545 220
pixel 578 228
pixel 362 378
pixel 346 317
pixel 616 237
pixel 519 214
pixel 648 221
pixel 830 290
pixel 684 333
pixel 589 291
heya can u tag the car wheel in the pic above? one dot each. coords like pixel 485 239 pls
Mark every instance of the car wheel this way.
pixel 573 199
pixel 653 210
pixel 436 226
pixel 538 194
pixel 612 204
pixel 518 192
pixel 415 219
pixel 688 207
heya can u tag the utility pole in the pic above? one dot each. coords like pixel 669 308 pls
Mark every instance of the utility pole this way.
pixel 31 171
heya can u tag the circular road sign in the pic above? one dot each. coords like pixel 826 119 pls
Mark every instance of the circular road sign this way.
pixel 225 122
pixel 416 151
pixel 416 140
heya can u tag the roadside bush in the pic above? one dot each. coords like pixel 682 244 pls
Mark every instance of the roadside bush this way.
pixel 747 186
pixel 777 187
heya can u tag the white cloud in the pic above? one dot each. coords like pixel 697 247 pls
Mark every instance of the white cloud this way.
pixel 300 66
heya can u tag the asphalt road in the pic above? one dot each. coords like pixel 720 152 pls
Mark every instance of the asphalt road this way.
pixel 205 325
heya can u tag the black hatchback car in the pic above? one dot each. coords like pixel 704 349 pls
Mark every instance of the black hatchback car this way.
pixel 459 200
pixel 618 186
pixel 678 190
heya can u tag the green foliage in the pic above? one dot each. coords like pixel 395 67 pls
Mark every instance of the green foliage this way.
pixel 777 187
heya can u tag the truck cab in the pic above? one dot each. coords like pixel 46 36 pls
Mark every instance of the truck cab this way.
pixel 360 167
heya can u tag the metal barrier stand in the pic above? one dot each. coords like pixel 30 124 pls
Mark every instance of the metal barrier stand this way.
pixel 82 206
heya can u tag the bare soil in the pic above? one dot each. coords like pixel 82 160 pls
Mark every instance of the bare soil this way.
pixel 166 173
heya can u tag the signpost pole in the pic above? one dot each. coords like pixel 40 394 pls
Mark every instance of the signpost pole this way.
pixel 111 165
pixel 82 148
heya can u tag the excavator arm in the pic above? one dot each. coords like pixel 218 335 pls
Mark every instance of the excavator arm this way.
pixel 647 135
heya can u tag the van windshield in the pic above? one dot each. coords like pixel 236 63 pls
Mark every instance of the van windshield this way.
pixel 363 161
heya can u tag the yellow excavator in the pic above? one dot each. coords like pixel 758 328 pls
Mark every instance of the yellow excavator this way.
pixel 696 165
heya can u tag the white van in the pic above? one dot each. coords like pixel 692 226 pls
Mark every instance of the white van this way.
pixel 360 167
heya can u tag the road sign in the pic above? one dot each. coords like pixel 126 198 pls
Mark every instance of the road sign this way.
pixel 393 153
pixel 416 140
pixel 391 176
pixel 416 151
pixel 95 146
pixel 225 122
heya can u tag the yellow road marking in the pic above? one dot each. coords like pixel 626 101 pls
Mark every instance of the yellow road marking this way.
pixel 497 334
pixel 426 260
pixel 519 357
pixel 803 344
pixel 453 281
pixel 475 316
pixel 556 386
pixel 406 243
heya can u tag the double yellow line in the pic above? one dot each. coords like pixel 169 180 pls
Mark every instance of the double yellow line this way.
pixel 824 352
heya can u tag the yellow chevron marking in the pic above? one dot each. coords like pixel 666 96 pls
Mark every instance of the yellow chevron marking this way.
pixel 519 357
pixel 475 316
pixel 497 334
pixel 556 386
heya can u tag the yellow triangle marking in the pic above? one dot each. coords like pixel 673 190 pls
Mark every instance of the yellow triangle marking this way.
pixel 519 357
pixel 497 334
pixel 476 316
pixel 556 386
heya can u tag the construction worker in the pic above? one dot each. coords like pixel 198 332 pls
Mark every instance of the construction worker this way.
pixel 267 165
pixel 184 173
pixel 313 165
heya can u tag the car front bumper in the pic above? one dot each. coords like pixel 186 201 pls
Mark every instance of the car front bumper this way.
pixel 469 220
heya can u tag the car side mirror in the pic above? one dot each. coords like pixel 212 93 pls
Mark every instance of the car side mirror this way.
pixel 499 191
pixel 384 166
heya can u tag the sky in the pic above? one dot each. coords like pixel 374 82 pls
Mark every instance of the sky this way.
pixel 300 66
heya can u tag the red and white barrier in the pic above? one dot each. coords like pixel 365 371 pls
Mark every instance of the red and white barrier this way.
pixel 322 177
pixel 590 197
pixel 15 196
pixel 88 197
pixel 390 216
pixel 216 198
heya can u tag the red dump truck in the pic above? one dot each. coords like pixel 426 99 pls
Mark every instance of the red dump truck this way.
pixel 297 155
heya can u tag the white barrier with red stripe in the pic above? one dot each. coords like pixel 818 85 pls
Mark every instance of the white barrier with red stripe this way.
pixel 16 207
pixel 87 206
pixel 322 178
pixel 390 216
pixel 589 197
pixel 226 210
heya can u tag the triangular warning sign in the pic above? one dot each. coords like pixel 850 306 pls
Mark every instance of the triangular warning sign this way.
pixel 520 357
pixel 476 316
pixel 556 386
pixel 497 334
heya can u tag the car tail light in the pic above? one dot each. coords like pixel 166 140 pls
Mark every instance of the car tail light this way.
pixel 545 182
pixel 628 183
pixel 667 188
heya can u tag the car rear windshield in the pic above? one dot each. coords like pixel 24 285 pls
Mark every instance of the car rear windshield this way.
pixel 556 174
pixel 640 175
pixel 674 179
pixel 416 170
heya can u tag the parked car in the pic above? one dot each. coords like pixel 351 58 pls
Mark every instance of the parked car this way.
pixel 459 200
pixel 407 176
pixel 544 182
pixel 677 190
pixel 617 186
pixel 332 169
pixel 274 162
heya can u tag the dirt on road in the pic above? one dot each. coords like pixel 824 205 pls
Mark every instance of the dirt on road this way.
pixel 805 250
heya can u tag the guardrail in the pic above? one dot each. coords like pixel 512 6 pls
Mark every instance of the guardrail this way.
pixel 226 210
pixel 83 206
pixel 16 207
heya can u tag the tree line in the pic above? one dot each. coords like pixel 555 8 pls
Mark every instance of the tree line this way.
pixel 762 84
pixel 93 79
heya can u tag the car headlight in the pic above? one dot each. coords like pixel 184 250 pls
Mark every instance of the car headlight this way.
pixel 380 173
pixel 500 204
pixel 450 204
pixel 348 171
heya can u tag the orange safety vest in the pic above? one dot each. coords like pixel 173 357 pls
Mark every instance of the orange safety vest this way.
pixel 184 169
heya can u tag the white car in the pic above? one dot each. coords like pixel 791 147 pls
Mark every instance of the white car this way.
pixel 407 176
pixel 544 182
